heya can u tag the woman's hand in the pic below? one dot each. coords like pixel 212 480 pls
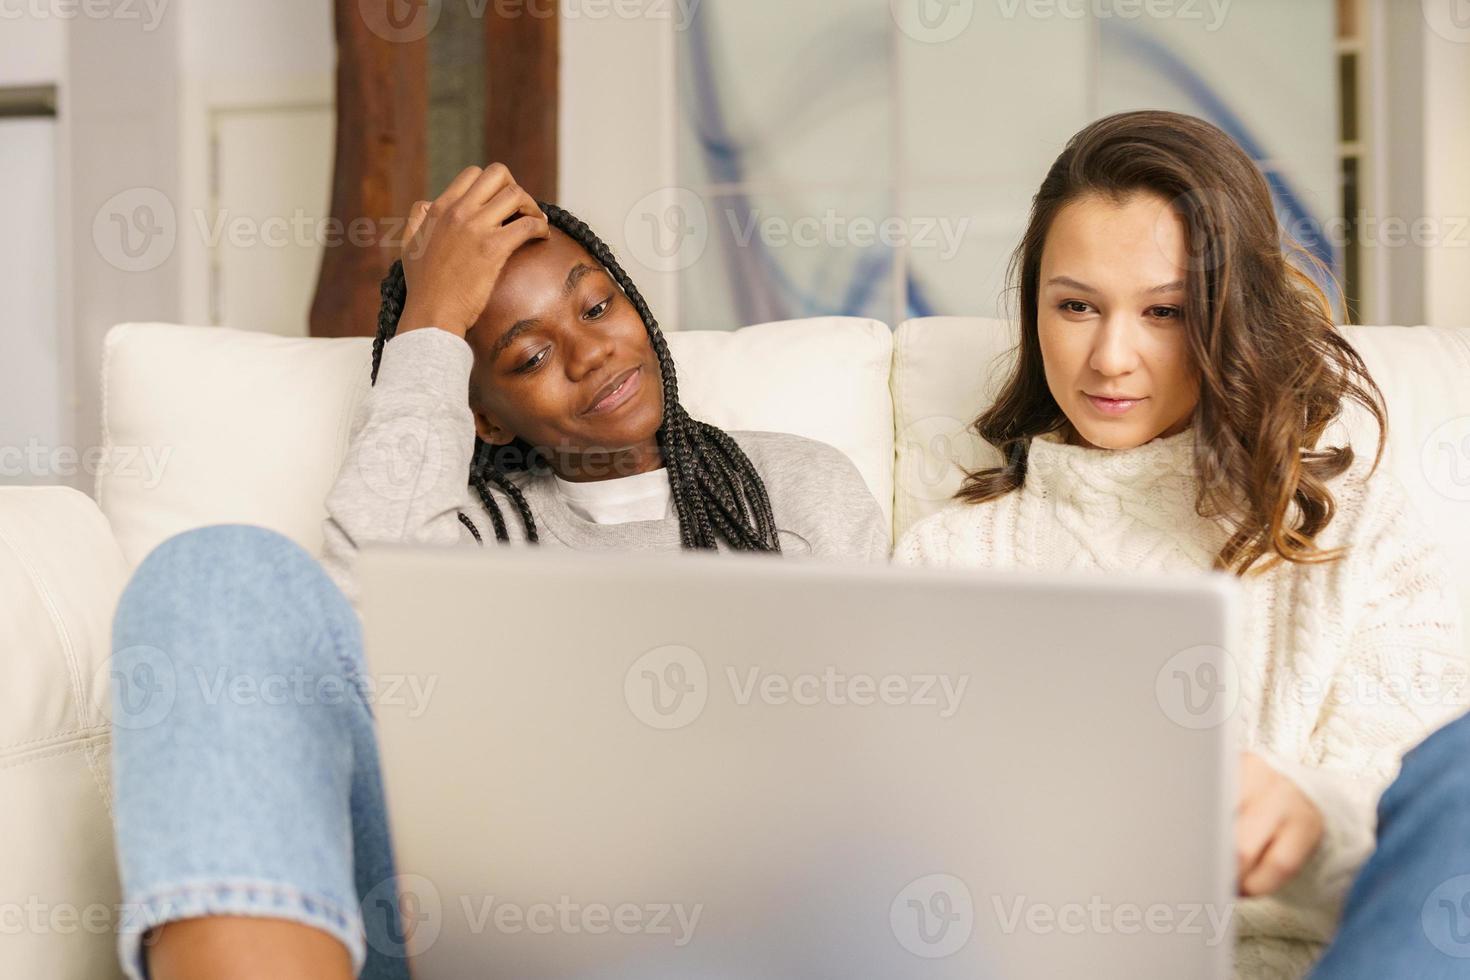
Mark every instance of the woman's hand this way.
pixel 455 247
pixel 1276 828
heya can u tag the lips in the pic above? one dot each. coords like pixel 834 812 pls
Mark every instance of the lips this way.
pixel 617 391
pixel 1112 404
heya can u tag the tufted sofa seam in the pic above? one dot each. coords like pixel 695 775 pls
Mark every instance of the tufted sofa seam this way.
pixel 79 731
pixel 84 743
pixel 68 648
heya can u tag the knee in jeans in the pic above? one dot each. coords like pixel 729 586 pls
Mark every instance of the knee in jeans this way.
pixel 257 580
pixel 1440 764
pixel 243 551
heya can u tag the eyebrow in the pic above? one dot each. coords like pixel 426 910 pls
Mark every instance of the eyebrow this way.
pixel 574 276
pixel 1167 287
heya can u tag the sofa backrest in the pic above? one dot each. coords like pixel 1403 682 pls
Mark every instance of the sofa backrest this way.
pixel 946 369
pixel 205 425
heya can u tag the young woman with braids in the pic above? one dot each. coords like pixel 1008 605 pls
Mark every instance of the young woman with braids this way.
pixel 1169 412
pixel 573 409
pixel 522 393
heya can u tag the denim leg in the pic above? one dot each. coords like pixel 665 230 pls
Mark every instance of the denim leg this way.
pixel 244 757
pixel 1408 914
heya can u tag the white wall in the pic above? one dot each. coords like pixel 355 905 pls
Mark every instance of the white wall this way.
pixel 36 371
pixel 1446 101
pixel 147 103
pixel 616 134
pixel 266 67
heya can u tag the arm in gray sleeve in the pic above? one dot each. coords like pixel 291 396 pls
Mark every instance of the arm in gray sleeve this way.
pixel 408 457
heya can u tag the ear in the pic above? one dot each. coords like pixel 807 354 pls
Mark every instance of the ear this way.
pixel 491 431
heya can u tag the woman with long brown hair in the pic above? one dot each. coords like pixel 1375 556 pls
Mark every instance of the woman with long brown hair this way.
pixel 1169 411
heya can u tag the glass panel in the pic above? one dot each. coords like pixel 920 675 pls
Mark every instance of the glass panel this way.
pixel 1263 73
pixel 775 255
pixel 456 95
pixel 1352 252
pixel 1347 91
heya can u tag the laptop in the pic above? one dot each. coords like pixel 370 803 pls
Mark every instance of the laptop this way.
pixel 702 766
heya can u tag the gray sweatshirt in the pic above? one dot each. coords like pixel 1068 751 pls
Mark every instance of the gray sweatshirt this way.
pixel 405 477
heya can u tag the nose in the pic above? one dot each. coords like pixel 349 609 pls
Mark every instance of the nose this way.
pixel 1115 347
pixel 590 351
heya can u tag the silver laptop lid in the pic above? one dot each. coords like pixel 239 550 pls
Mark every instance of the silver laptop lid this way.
pixel 699 766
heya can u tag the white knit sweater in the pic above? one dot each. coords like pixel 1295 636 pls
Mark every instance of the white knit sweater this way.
pixel 1343 666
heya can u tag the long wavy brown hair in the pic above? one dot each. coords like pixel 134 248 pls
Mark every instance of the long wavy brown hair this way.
pixel 1274 370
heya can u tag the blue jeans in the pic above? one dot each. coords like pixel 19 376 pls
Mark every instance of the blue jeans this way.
pixel 1408 914
pixel 244 756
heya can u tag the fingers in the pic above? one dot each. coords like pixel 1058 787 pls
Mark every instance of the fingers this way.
pixel 1255 826
pixel 525 229
pixel 511 202
pixel 416 216
pixel 458 187
pixel 492 180
pixel 1255 776
pixel 1287 853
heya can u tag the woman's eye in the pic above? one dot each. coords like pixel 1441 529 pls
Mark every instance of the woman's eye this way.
pixel 535 361
pixel 1074 306
pixel 597 311
pixel 1164 312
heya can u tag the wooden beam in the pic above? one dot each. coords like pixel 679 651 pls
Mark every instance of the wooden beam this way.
pixel 522 54
pixel 381 162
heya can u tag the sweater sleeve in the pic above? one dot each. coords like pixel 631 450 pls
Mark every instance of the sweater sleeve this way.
pixel 404 475
pixel 1403 674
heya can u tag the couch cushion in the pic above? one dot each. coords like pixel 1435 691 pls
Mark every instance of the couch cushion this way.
pixel 207 424
pixel 945 369
pixel 60 577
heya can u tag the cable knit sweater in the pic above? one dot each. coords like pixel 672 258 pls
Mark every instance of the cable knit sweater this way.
pixel 1343 666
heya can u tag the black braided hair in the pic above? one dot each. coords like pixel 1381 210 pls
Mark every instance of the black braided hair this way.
pixel 718 495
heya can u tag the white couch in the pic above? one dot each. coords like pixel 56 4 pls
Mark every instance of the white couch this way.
pixel 205 425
